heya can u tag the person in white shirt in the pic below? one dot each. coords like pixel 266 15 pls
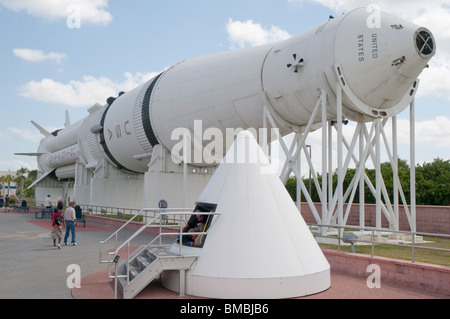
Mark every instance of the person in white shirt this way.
pixel 71 221
pixel 48 203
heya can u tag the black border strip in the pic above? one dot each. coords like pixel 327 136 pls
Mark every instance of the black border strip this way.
pixel 145 113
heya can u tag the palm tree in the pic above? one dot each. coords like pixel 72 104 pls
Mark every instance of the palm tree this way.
pixel 2 181
pixel 19 179
pixel 31 178
pixel 8 179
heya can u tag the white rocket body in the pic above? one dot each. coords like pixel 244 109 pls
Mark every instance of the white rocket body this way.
pixel 377 68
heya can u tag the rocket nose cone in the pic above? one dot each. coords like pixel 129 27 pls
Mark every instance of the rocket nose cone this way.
pixel 425 43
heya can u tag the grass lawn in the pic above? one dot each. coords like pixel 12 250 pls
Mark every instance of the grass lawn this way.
pixel 405 253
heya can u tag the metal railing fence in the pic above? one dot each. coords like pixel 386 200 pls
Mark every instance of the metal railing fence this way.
pixel 376 238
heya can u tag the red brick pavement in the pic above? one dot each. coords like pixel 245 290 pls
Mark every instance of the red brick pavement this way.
pixel 98 286
pixel 90 227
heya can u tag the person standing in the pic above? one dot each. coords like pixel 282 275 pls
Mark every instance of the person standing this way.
pixel 71 221
pixel 48 203
pixel 60 204
pixel 57 222
pixel 7 201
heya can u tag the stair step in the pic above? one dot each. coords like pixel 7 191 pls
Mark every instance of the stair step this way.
pixel 147 264
pixel 143 262
pixel 151 256
pixel 133 272
pixel 161 251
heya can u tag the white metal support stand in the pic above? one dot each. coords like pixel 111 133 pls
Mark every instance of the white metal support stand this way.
pixel 299 188
pixel 341 176
pixel 413 165
pixel 186 149
pixel 325 143
pixel 294 153
pixel 336 202
pixel 182 283
pixel 362 201
pixel 379 177
pixel 395 170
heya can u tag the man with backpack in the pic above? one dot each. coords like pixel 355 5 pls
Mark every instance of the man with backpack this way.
pixel 57 222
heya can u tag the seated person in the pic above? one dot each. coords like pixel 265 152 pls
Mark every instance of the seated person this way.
pixel 193 222
pixel 196 221
pixel 195 240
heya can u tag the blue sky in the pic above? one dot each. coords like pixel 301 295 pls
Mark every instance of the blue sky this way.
pixel 48 67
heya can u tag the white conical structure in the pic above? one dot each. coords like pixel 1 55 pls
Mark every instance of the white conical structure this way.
pixel 260 247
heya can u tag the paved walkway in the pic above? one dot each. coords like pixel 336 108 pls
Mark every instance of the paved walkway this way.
pixel 32 269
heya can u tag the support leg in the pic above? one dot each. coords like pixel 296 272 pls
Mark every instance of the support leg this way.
pixel 340 189
pixel 413 164
pixel 182 283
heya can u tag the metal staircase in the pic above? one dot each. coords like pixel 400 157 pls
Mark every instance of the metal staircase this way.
pixel 140 268
pixel 146 266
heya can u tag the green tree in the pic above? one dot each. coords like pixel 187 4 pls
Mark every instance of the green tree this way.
pixel 291 187
pixel 29 180
pixel 2 182
pixel 19 179
pixel 8 180
pixel 433 183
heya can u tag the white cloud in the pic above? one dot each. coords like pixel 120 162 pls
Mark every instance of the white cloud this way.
pixel 4 136
pixel 15 165
pixel 91 11
pixel 86 92
pixel 248 33
pixel 26 134
pixel 409 9
pixel 433 132
pixel 32 55
pixel 435 81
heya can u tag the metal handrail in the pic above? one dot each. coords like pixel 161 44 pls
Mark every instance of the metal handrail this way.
pixel 115 234
pixel 113 256
pixel 123 226
pixel 156 211
pixel 375 233
pixel 120 211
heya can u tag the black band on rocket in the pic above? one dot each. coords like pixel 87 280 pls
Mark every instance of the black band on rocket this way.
pixel 105 147
pixel 146 114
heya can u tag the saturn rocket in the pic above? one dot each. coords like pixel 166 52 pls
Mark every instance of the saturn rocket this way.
pixel 121 149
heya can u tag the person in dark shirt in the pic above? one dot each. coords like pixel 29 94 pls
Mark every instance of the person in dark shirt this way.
pixel 7 201
pixel 197 221
pixel 193 222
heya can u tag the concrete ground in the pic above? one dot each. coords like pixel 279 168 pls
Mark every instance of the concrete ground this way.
pixel 32 269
